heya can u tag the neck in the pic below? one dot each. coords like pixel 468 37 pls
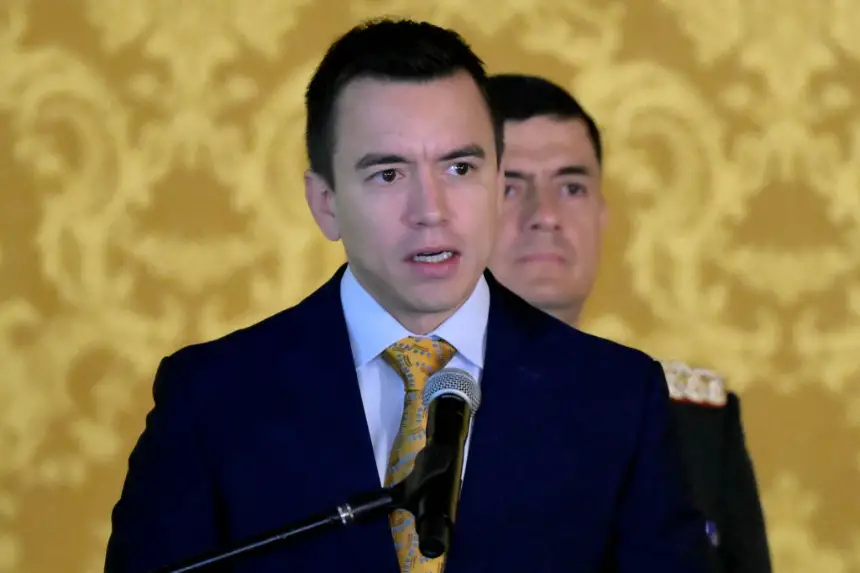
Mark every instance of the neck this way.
pixel 568 315
pixel 413 320
pixel 424 323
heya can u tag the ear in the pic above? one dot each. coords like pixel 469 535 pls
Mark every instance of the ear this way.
pixel 321 200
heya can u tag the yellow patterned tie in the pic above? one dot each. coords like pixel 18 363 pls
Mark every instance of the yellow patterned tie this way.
pixel 415 359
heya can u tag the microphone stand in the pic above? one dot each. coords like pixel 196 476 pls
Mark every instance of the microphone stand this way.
pixel 430 463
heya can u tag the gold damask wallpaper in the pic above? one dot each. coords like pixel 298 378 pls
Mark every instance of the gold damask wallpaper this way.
pixel 151 196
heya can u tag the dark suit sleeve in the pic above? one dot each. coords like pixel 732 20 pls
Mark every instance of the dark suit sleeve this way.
pixel 166 511
pixel 744 544
pixel 658 528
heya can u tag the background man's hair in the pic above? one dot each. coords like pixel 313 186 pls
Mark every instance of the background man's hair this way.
pixel 399 50
pixel 518 97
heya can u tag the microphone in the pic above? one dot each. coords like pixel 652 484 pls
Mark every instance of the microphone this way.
pixel 450 399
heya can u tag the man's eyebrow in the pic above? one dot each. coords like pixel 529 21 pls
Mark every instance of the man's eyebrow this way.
pixel 463 152
pixel 517 175
pixel 566 170
pixel 374 159
pixel 573 170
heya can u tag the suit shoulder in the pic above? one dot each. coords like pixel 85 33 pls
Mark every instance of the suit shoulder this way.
pixel 558 336
pixel 602 350
pixel 212 362
pixel 246 339
pixel 215 372
pixel 699 386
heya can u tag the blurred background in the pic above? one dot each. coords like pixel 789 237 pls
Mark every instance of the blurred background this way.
pixel 151 158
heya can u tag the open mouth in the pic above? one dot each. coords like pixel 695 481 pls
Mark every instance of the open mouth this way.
pixel 434 256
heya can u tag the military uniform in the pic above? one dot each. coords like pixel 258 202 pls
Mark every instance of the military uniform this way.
pixel 719 469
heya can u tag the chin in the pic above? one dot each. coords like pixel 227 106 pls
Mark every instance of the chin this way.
pixel 544 297
pixel 438 304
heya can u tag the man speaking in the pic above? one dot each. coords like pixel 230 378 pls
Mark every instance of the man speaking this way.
pixel 568 464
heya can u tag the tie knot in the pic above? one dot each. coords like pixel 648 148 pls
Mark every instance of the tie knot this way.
pixel 417 358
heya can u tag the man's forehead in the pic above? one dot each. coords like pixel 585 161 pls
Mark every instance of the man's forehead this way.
pixel 404 96
pixel 416 120
pixel 548 144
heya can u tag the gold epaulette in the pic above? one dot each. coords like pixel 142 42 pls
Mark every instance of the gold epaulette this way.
pixel 694 385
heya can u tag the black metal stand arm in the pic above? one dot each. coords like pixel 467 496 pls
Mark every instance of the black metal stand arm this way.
pixel 430 464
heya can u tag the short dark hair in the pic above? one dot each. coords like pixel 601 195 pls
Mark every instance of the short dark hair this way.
pixel 390 49
pixel 518 97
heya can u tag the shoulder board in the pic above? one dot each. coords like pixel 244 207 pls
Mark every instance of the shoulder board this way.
pixel 694 385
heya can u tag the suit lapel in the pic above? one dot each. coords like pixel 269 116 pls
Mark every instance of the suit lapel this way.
pixel 330 390
pixel 323 378
pixel 509 405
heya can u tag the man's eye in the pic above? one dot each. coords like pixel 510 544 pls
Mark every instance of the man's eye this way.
pixel 461 169
pixel 386 176
pixel 573 188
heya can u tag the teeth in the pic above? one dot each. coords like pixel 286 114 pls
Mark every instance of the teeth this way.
pixel 433 257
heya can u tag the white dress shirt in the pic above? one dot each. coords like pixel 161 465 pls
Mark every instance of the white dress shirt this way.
pixel 372 330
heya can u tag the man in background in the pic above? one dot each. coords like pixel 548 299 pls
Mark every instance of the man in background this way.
pixel 548 251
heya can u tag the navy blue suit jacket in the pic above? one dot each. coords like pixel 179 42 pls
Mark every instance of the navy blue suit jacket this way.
pixel 571 466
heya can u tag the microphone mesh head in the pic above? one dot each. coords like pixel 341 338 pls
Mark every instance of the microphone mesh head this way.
pixel 452 381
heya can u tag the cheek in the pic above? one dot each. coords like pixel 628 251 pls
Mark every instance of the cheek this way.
pixel 505 239
pixel 366 225
pixel 491 222
pixel 582 226
pixel 509 221
pixel 349 220
pixel 381 236
pixel 586 241
pixel 473 205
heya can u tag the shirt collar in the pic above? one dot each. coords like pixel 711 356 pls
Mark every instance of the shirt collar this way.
pixel 372 329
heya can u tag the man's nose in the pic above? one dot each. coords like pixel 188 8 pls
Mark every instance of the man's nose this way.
pixel 428 205
pixel 542 211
